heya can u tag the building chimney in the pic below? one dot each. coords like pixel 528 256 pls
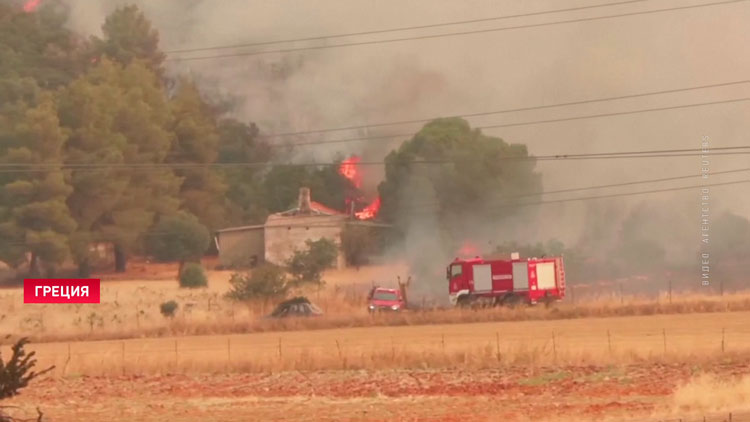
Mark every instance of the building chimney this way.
pixel 304 205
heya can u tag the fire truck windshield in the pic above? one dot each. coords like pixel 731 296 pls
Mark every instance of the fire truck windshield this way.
pixel 455 270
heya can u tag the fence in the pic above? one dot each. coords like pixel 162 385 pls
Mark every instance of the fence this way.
pixel 538 342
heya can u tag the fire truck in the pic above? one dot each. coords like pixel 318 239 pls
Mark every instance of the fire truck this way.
pixel 505 282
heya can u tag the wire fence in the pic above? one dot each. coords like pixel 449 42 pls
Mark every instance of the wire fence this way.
pixel 405 346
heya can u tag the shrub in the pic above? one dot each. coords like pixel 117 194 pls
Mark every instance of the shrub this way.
pixel 193 276
pixel 307 266
pixel 266 281
pixel 168 309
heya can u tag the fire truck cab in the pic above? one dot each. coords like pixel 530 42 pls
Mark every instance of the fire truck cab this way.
pixel 501 282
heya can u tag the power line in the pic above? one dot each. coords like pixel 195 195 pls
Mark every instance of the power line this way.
pixel 46 167
pixel 527 123
pixel 511 110
pixel 432 36
pixel 613 185
pixel 400 29
pixel 616 195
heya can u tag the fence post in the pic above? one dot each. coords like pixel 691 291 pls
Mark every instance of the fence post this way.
pixel 722 340
pixel 393 349
pixel 176 355
pixel 554 347
pixel 664 336
pixel 609 342
pixel 497 344
pixel 123 358
pixel 442 341
pixel 229 351
pixel 279 347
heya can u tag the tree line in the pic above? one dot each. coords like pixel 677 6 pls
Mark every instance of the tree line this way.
pixel 67 102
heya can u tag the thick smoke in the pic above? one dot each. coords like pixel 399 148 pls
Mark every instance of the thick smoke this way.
pixel 448 76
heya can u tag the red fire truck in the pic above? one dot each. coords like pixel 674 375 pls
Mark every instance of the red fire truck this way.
pixel 499 282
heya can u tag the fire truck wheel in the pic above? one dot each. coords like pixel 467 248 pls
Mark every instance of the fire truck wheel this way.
pixel 463 301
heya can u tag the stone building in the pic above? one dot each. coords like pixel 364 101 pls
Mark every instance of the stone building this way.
pixel 283 234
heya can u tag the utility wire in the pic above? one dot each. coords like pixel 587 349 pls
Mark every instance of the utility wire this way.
pixel 510 110
pixel 400 29
pixel 523 204
pixel 452 34
pixel 46 167
pixel 587 188
pixel 527 123
pixel 614 195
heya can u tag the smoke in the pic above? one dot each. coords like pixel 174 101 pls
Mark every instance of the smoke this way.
pixel 449 76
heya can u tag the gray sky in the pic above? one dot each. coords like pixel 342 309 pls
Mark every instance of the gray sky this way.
pixel 482 72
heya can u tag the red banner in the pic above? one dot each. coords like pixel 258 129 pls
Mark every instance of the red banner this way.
pixel 51 290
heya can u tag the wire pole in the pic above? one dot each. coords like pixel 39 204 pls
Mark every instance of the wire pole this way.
pixel 664 336
pixel 609 342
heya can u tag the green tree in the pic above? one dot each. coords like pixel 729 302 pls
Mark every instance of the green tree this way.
pixel 129 36
pixel 203 192
pixel 472 184
pixel 265 282
pixel 307 266
pixel 34 214
pixel 178 238
pixel 40 46
pixel 282 183
pixel 239 143
pixel 119 119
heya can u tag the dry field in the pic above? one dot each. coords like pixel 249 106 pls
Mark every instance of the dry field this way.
pixel 130 308
pixel 602 341
pixel 640 368
pixel 638 392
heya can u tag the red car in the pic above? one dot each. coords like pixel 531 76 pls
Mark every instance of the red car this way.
pixel 382 299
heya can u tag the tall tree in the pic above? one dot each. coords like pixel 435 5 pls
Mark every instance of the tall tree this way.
pixel 239 143
pixel 35 218
pixel 196 146
pixel 129 36
pixel 472 183
pixel 118 116
pixel 40 46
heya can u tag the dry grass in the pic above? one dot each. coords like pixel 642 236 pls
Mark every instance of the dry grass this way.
pixel 605 341
pixel 709 393
pixel 130 309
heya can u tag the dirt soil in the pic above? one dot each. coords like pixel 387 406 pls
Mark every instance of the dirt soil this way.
pixel 521 394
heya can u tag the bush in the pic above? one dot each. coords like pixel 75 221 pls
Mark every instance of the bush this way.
pixel 168 309
pixel 266 281
pixel 307 266
pixel 193 276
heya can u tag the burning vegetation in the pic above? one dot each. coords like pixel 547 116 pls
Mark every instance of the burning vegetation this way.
pixel 349 168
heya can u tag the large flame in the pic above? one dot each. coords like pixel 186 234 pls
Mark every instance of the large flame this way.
pixel 349 169
pixel 31 6
pixel 370 211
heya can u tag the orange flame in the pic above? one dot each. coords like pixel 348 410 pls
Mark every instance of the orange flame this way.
pixel 370 211
pixel 31 6
pixel 348 169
